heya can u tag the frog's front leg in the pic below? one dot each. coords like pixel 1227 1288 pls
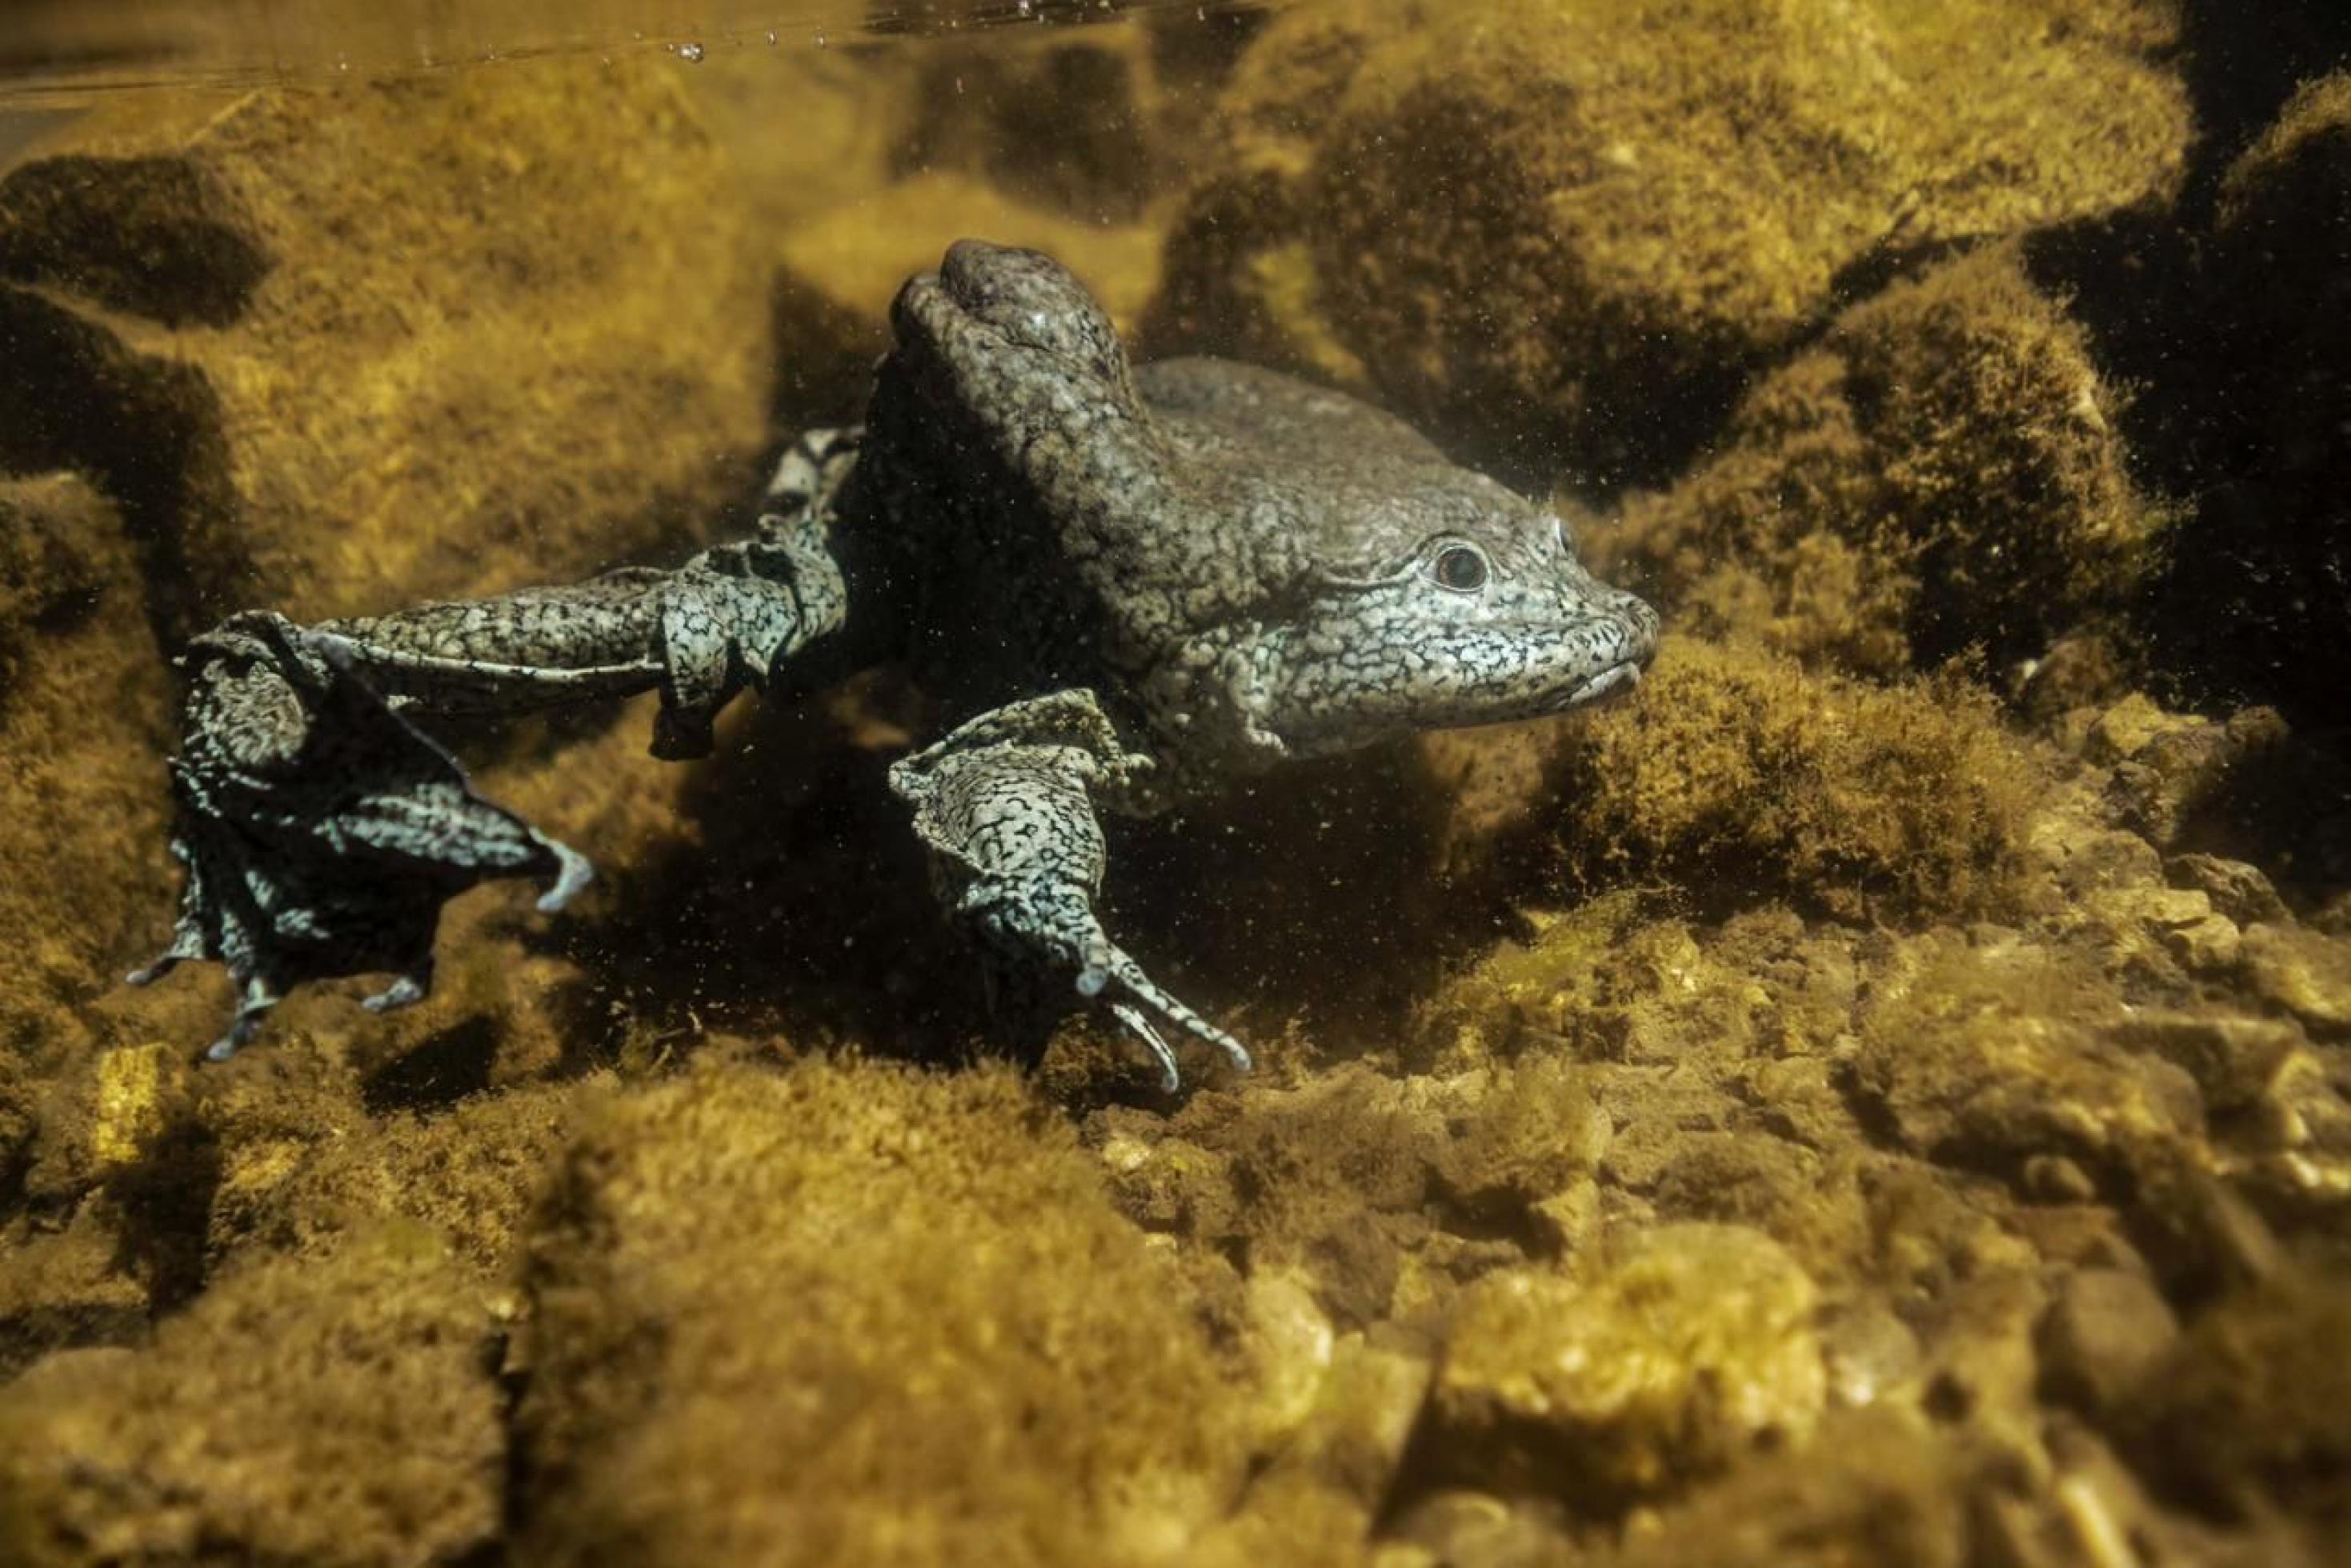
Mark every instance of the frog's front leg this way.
pixel 1005 806
pixel 321 830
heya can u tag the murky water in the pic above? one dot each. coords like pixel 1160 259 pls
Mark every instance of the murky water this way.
pixel 1875 1088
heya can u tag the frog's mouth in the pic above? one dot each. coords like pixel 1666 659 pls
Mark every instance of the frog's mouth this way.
pixel 1616 681
pixel 1312 693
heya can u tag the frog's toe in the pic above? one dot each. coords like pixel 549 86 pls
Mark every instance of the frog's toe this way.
pixel 406 992
pixel 256 997
pixel 1140 999
pixel 1170 1077
pixel 573 872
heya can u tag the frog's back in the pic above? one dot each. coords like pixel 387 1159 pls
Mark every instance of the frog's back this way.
pixel 1255 414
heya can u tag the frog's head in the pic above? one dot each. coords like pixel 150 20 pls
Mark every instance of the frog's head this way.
pixel 1471 608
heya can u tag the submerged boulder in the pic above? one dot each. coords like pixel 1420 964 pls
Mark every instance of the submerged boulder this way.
pixel 84 723
pixel 340 350
pixel 302 1411
pixel 849 1313
pixel 1566 232
pixel 1938 476
pixel 1694 1350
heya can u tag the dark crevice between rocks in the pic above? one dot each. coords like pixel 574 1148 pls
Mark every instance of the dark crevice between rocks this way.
pixel 2241 70
pixel 148 433
pixel 794 902
pixel 2222 317
pixel 166 1200
pixel 449 1067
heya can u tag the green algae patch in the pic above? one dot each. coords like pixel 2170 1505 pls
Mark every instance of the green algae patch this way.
pixel 1735 774
pixel 1940 474
pixel 1571 229
pixel 852 1314
pixel 301 1411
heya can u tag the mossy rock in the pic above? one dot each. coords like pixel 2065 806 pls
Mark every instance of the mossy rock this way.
pixel 299 1412
pixel 1940 476
pixel 1696 1347
pixel 1565 232
pixel 851 1313
pixel 340 350
pixel 85 700
pixel 1735 776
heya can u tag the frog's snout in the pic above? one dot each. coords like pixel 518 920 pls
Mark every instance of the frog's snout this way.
pixel 1635 627
pixel 1641 625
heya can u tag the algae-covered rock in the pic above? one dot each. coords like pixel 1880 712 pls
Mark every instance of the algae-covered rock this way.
pixel 1319 1499
pixel 1872 1488
pixel 2253 1402
pixel 471 1175
pixel 2107 1329
pixel 1694 1349
pixel 299 1412
pixel 2305 972
pixel 1984 1055
pixel 1938 474
pixel 106 1114
pixel 2180 778
pixel 84 699
pixel 1005 109
pixel 452 334
pixel 65 1288
pixel 849 1313
pixel 1573 227
pixel 1359 1181
pixel 1737 773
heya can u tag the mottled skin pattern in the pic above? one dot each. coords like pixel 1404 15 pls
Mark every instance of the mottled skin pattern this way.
pixel 1129 588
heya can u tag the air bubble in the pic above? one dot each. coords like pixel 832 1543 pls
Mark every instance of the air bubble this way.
pixel 690 53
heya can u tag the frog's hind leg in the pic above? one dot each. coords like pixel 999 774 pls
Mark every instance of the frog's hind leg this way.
pixel 321 830
pixel 1006 806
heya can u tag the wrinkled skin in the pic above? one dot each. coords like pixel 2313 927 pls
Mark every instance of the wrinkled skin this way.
pixel 1129 588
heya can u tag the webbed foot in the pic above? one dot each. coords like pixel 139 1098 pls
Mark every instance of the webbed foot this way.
pixel 321 832
pixel 1004 804
pixel 1052 926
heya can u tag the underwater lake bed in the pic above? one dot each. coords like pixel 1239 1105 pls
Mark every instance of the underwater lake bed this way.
pixel 1875 1088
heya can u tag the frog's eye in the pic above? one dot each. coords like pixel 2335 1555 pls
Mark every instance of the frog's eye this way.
pixel 1459 568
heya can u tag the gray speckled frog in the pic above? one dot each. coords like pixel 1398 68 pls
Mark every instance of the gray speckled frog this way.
pixel 1128 588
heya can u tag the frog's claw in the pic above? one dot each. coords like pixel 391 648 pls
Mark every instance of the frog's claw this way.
pixel 1005 805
